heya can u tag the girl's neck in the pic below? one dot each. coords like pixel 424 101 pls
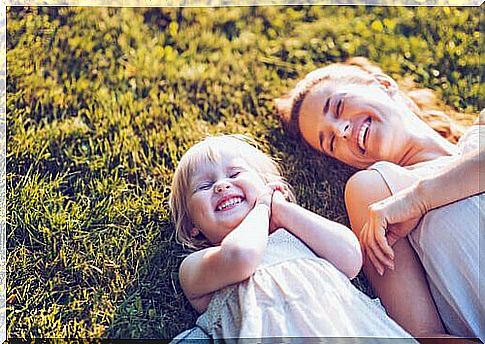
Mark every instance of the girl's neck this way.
pixel 427 145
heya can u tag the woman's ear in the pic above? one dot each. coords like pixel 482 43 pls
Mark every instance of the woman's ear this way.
pixel 386 82
pixel 283 107
pixel 194 232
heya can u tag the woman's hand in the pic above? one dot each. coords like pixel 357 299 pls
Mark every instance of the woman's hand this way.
pixel 388 221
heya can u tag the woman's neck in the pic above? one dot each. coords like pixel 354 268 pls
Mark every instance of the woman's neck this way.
pixel 426 145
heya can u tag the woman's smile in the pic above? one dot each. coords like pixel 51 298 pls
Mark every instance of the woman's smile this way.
pixel 363 134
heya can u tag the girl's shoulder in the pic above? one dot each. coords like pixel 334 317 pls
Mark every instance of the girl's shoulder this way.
pixel 471 138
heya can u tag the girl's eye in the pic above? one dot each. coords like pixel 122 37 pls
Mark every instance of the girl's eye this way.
pixel 235 174
pixel 205 186
pixel 332 144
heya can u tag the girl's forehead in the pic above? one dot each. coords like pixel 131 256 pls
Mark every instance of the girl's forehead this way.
pixel 216 158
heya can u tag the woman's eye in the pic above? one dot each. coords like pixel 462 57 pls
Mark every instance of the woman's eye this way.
pixel 339 107
pixel 326 106
pixel 235 174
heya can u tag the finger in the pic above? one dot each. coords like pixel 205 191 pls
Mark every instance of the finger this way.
pixel 362 235
pixel 392 238
pixel 378 226
pixel 379 259
pixel 380 255
pixel 380 239
pixel 377 233
pixel 276 186
pixel 377 265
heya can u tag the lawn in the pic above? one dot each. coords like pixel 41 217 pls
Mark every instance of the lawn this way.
pixel 102 103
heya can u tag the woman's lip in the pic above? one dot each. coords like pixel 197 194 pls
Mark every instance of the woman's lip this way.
pixel 356 130
pixel 367 134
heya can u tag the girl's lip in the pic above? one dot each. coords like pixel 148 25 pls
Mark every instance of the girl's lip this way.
pixel 227 198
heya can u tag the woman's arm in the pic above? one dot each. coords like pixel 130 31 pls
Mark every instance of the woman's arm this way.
pixel 456 181
pixel 403 291
pixel 236 259
pixel 328 239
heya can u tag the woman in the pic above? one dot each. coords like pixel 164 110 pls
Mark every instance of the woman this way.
pixel 356 114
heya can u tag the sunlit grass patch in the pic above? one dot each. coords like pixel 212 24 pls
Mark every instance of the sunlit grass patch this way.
pixel 103 102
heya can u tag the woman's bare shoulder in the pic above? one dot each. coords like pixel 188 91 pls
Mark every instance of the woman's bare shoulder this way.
pixel 366 185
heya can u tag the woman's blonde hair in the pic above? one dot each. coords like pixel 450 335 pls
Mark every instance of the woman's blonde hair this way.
pixel 209 151
pixel 359 70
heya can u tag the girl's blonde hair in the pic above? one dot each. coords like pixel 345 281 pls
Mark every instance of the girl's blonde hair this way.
pixel 209 151
pixel 359 70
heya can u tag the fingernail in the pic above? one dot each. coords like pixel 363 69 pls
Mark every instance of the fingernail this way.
pixel 380 272
pixel 391 266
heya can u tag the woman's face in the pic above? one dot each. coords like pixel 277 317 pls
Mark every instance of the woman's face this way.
pixel 356 124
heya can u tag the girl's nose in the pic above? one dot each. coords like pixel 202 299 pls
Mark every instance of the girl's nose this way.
pixel 222 186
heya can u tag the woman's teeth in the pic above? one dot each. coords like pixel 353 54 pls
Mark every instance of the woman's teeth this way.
pixel 363 133
pixel 228 203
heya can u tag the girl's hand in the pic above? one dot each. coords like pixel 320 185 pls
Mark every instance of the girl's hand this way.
pixel 388 221
pixel 275 195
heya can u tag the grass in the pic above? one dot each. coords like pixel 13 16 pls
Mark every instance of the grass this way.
pixel 102 103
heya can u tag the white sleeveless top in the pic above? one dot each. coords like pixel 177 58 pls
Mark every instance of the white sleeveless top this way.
pixel 294 293
pixel 447 243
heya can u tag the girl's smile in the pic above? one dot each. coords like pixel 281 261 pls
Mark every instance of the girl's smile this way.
pixel 229 202
pixel 224 192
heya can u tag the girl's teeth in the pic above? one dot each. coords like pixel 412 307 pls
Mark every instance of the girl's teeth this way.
pixel 229 203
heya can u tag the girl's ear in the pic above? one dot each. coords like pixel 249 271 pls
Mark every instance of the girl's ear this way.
pixel 194 232
pixel 386 82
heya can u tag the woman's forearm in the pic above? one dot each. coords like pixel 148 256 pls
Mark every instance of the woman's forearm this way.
pixel 330 240
pixel 459 180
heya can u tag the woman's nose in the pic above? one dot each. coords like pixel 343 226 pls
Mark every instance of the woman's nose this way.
pixel 343 130
pixel 222 186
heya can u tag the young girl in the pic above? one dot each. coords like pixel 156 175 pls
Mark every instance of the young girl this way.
pixel 266 267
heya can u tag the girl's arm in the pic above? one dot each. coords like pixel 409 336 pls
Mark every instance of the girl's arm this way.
pixel 236 259
pixel 328 239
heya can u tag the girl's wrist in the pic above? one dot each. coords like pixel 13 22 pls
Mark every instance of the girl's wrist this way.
pixel 264 206
pixel 278 207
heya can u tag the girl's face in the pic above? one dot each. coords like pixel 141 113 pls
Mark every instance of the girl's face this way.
pixel 356 124
pixel 221 194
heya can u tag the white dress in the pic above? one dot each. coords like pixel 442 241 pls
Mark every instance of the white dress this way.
pixel 295 294
pixel 447 243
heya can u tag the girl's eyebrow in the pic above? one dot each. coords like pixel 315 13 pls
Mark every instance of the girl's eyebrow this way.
pixel 235 167
pixel 198 179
